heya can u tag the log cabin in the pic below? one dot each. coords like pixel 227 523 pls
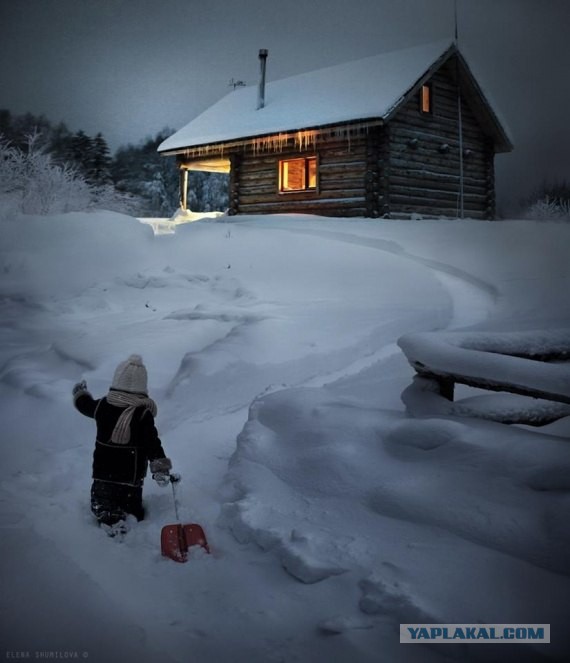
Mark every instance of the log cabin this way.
pixel 402 134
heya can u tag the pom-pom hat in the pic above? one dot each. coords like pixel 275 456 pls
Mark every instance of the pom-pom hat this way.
pixel 131 376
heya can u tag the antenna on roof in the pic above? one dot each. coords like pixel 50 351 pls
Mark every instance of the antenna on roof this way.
pixel 455 12
pixel 233 83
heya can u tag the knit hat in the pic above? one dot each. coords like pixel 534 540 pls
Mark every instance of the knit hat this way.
pixel 130 376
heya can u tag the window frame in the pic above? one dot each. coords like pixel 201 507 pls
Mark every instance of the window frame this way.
pixel 306 188
pixel 429 88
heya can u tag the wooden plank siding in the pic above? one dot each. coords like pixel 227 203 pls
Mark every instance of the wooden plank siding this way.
pixel 424 157
pixel 341 187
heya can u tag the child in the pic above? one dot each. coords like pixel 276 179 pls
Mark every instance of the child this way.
pixel 126 441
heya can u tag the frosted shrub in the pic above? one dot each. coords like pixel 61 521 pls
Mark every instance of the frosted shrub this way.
pixel 550 201
pixel 549 208
pixel 107 197
pixel 54 189
pixel 39 185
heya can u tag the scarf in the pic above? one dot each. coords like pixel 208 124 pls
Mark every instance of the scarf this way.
pixel 130 402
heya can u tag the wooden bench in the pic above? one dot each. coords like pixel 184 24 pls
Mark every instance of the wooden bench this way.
pixel 533 370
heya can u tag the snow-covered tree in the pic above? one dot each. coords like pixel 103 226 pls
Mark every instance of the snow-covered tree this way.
pixel 141 171
pixel 137 180
pixel 37 185
pixel 99 165
pixel 207 192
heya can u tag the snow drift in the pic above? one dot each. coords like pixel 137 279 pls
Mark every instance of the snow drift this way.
pixel 333 517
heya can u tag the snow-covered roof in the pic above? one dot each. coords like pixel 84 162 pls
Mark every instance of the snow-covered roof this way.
pixel 358 90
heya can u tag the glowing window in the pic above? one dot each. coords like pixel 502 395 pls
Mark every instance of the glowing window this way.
pixel 297 174
pixel 426 101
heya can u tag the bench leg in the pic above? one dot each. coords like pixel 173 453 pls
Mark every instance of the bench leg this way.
pixel 446 387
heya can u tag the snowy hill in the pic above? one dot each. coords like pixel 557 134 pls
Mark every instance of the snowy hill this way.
pixel 271 348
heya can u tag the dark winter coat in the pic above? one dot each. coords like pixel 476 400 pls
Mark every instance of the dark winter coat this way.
pixel 121 463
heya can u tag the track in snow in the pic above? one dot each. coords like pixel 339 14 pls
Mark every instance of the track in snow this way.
pixel 472 298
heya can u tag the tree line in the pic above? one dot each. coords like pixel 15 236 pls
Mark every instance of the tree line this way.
pixel 136 180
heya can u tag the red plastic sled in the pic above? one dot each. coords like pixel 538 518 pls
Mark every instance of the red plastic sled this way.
pixel 175 540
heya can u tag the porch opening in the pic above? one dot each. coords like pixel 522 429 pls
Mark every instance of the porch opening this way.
pixel 204 185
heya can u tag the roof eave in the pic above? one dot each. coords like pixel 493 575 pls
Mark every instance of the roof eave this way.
pixel 232 142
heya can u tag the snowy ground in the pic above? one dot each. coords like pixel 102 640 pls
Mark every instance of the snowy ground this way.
pixel 271 347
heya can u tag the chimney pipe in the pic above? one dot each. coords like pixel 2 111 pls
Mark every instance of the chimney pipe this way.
pixel 261 89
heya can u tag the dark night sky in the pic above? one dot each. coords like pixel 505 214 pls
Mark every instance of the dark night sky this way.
pixel 128 68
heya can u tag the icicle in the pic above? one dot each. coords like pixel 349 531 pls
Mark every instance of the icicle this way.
pixel 305 139
pixel 299 140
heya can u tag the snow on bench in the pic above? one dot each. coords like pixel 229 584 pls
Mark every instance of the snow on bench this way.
pixel 533 366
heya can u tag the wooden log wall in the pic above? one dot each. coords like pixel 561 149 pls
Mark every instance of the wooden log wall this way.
pixel 384 162
pixel 235 174
pixel 341 187
pixel 424 157
pixel 491 205
pixel 373 175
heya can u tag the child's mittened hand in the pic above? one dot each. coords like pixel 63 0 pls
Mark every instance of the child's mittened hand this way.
pixel 161 478
pixel 79 387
